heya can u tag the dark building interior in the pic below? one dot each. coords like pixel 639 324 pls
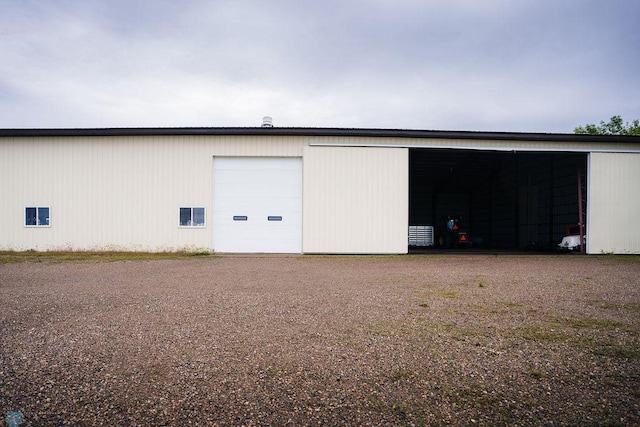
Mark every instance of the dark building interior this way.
pixel 502 199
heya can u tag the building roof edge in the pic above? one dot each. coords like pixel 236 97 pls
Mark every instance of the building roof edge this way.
pixel 301 131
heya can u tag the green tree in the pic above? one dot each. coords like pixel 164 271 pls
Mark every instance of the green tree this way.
pixel 615 126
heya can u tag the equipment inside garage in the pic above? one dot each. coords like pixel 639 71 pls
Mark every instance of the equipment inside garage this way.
pixel 495 199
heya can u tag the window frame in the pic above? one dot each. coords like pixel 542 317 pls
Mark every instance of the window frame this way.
pixel 37 218
pixel 190 223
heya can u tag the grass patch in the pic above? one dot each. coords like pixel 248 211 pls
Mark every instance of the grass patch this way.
pixel 593 323
pixel 397 411
pixel 609 349
pixel 614 259
pixel 433 291
pixel 631 307
pixel 617 351
pixel 503 307
pixel 535 373
pixel 157 372
pixel 443 293
pixel 269 373
pixel 449 294
pixel 482 283
pixel 8 257
pixel 508 304
pixel 539 334
pixel 386 329
pixel 400 375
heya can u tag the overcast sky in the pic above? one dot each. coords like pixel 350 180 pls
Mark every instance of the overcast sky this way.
pixel 482 65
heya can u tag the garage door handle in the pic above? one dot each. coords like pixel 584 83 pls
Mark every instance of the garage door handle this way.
pixel 274 218
pixel 240 218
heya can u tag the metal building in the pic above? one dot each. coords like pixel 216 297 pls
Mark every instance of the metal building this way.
pixel 313 190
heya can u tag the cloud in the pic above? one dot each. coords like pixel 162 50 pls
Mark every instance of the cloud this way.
pixel 462 64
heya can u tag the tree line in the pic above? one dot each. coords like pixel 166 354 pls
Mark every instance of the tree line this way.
pixel 615 126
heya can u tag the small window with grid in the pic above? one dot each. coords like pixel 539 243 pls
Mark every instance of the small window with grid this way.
pixel 192 217
pixel 37 216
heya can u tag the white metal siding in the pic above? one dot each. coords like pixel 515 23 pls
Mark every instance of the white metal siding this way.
pixel 116 193
pixel 477 144
pixel 257 205
pixel 614 203
pixel 355 200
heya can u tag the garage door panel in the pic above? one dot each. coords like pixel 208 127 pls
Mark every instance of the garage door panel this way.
pixel 237 177
pixel 261 193
pixel 258 206
pixel 257 238
pixel 256 163
pixel 267 194
pixel 259 219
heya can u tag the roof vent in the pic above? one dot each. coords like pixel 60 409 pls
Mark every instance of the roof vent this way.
pixel 267 122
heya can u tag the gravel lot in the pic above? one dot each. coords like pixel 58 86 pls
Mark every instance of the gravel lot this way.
pixel 478 339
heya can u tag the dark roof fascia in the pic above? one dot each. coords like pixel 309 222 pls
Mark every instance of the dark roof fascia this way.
pixel 334 132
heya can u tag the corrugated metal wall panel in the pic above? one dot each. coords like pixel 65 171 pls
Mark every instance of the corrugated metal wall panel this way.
pixel 503 145
pixel 355 200
pixel 116 193
pixel 614 203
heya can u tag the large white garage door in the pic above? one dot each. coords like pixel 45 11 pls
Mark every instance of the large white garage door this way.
pixel 257 205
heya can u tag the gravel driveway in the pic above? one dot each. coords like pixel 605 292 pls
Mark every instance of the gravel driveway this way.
pixel 322 340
